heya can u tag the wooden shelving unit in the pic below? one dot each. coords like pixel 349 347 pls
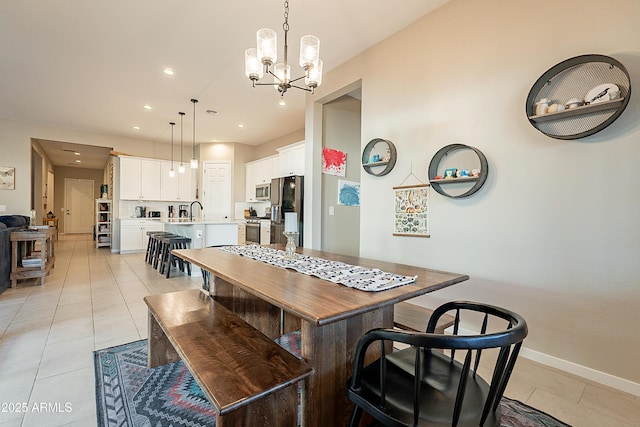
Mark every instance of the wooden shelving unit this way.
pixel 104 222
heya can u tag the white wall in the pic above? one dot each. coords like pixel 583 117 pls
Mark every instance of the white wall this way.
pixel 553 234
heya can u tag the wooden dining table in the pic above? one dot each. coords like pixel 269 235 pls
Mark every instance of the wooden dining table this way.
pixel 330 316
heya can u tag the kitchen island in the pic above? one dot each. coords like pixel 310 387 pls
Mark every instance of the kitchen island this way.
pixel 203 233
pixel 331 317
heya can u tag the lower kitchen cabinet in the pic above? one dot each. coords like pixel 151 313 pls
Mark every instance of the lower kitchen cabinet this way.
pixel 265 232
pixel 133 234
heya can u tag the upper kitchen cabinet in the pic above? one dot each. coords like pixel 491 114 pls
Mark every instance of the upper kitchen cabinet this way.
pixel 177 188
pixel 139 179
pixel 291 159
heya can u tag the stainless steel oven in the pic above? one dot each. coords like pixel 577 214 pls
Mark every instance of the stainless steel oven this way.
pixel 253 231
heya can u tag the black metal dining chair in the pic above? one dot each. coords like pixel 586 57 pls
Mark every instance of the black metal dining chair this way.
pixel 434 381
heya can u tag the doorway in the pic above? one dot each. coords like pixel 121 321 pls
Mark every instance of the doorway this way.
pixel 79 199
pixel 216 190
pixel 341 123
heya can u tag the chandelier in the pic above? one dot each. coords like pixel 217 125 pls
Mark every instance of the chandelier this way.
pixel 261 60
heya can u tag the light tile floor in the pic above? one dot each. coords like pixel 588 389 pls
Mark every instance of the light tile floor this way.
pixel 93 299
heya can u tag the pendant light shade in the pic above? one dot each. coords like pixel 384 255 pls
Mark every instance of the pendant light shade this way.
pixel 267 41
pixel 253 68
pixel 181 167
pixel 194 161
pixel 309 51
pixel 172 173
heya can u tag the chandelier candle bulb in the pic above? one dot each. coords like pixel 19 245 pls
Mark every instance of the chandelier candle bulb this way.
pixel 309 51
pixel 314 75
pixel 291 222
pixel 281 75
pixel 252 67
pixel 267 46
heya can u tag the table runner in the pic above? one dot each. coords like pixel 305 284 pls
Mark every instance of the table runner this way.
pixel 353 276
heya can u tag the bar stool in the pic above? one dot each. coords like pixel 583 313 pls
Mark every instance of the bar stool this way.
pixel 151 244
pixel 157 248
pixel 167 258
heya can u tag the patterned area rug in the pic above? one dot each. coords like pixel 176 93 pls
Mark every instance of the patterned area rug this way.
pixel 130 394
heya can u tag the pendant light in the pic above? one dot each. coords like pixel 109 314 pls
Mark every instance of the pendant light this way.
pixel 261 60
pixel 181 167
pixel 194 161
pixel 172 173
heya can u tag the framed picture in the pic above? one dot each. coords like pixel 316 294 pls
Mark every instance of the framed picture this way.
pixel 334 162
pixel 348 193
pixel 7 178
pixel 411 210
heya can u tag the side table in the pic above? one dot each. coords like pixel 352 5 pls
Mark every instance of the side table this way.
pixel 52 222
pixel 30 237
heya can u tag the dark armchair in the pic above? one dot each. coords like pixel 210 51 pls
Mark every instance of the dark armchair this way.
pixel 434 381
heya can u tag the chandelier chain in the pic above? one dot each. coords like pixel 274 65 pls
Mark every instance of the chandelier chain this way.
pixel 285 26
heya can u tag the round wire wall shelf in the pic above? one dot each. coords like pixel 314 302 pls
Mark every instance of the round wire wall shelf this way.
pixel 438 184
pixel 574 78
pixel 386 158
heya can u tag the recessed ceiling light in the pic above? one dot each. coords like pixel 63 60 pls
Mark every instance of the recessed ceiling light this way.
pixel 168 71
pixel 136 127
pixel 282 102
pixel 78 161
pixel 76 153
pixel 240 125
pixel 147 107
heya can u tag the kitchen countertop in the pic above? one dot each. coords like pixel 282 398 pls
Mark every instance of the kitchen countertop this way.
pixel 186 221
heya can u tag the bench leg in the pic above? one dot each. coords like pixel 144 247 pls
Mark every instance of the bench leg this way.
pixel 278 409
pixel 160 351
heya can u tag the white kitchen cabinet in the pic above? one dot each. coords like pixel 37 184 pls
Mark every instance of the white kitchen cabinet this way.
pixel 250 182
pixel 133 234
pixel 177 188
pixel 291 159
pixel 265 232
pixel 264 170
pixel 139 179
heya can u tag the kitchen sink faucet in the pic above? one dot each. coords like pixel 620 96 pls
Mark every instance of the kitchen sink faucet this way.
pixel 191 209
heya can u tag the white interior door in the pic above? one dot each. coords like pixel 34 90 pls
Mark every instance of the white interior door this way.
pixel 216 190
pixel 79 200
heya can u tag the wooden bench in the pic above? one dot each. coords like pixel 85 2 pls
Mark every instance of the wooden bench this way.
pixel 412 317
pixel 249 379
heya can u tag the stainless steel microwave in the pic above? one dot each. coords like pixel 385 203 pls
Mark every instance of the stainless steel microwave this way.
pixel 263 192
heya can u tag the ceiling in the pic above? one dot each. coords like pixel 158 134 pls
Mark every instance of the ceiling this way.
pixel 93 65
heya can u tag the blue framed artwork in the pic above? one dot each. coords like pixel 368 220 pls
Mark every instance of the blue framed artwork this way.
pixel 348 193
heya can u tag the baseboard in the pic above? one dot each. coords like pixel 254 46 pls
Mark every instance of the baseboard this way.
pixel 582 371
pixel 572 368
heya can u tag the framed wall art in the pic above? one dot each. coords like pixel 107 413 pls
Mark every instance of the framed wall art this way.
pixel 411 210
pixel 334 162
pixel 7 178
pixel 348 193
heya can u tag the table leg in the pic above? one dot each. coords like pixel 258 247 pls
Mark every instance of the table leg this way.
pixel 14 263
pixel 330 350
pixel 160 351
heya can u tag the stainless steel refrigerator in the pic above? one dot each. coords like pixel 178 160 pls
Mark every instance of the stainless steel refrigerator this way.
pixel 287 195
